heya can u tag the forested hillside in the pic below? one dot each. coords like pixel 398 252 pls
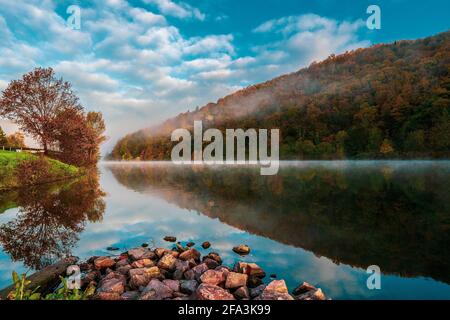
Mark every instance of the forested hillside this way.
pixel 387 101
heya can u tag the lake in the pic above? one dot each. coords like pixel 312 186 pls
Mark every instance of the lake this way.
pixel 320 222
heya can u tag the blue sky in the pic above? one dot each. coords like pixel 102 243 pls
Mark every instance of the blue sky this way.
pixel 142 61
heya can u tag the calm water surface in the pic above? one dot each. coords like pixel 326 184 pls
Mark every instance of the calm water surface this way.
pixel 321 222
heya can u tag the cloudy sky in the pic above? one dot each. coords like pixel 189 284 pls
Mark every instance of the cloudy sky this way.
pixel 142 61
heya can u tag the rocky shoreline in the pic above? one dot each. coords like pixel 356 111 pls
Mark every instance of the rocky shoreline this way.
pixel 181 273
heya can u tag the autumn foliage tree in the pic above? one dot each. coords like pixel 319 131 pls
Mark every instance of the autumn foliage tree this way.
pixel 3 140
pixel 34 102
pixel 46 108
pixel 16 140
pixel 387 101
pixel 79 136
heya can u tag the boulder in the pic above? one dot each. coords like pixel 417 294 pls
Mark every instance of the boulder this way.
pixel 212 264
pixel 190 254
pixel 137 253
pixel 255 292
pixel 206 245
pixel 84 267
pixel 130 295
pixel 275 290
pixel 315 294
pixel 143 263
pixel 107 296
pixel 254 282
pixel 124 270
pixel 114 282
pixel 178 275
pixel 251 269
pixel 149 255
pixel 104 263
pixel 223 269
pixel 159 252
pixel 273 295
pixel 235 280
pixel 180 295
pixel 199 270
pixel 172 284
pixel 277 286
pixel 190 244
pixel 181 265
pixel 89 277
pixel 122 263
pixel 167 262
pixel 242 293
pixel 212 277
pixel 142 276
pixel 170 239
pixel 148 295
pixel 188 286
pixel 210 292
pixel 188 275
pixel 161 291
pixel 242 249
pixel 214 256
pixel 303 288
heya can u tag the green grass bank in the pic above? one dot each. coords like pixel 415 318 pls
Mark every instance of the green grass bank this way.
pixel 20 169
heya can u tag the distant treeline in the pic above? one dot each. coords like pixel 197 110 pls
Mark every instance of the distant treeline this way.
pixel 387 101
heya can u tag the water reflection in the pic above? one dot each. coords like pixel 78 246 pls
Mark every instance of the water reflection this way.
pixel 49 220
pixel 317 222
pixel 394 215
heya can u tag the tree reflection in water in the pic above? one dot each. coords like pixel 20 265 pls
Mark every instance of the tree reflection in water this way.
pixel 49 220
pixel 393 214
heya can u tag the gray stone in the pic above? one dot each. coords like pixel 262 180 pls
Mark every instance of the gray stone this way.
pixel 255 292
pixel 242 293
pixel 137 253
pixel 161 290
pixel 199 270
pixel 188 286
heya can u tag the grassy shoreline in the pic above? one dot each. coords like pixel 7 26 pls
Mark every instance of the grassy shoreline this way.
pixel 9 162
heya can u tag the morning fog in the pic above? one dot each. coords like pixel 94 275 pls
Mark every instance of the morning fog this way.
pixel 235 147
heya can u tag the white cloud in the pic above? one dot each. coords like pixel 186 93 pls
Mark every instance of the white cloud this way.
pixel 179 10
pixel 132 63
pixel 303 39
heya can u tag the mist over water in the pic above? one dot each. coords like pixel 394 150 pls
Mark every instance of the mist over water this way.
pixel 321 222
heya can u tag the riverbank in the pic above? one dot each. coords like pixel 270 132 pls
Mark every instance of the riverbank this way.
pixel 21 169
pixel 181 273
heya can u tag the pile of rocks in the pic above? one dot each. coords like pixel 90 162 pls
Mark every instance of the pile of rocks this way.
pixel 182 274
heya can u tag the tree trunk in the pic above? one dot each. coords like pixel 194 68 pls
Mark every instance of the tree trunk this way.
pixel 46 279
